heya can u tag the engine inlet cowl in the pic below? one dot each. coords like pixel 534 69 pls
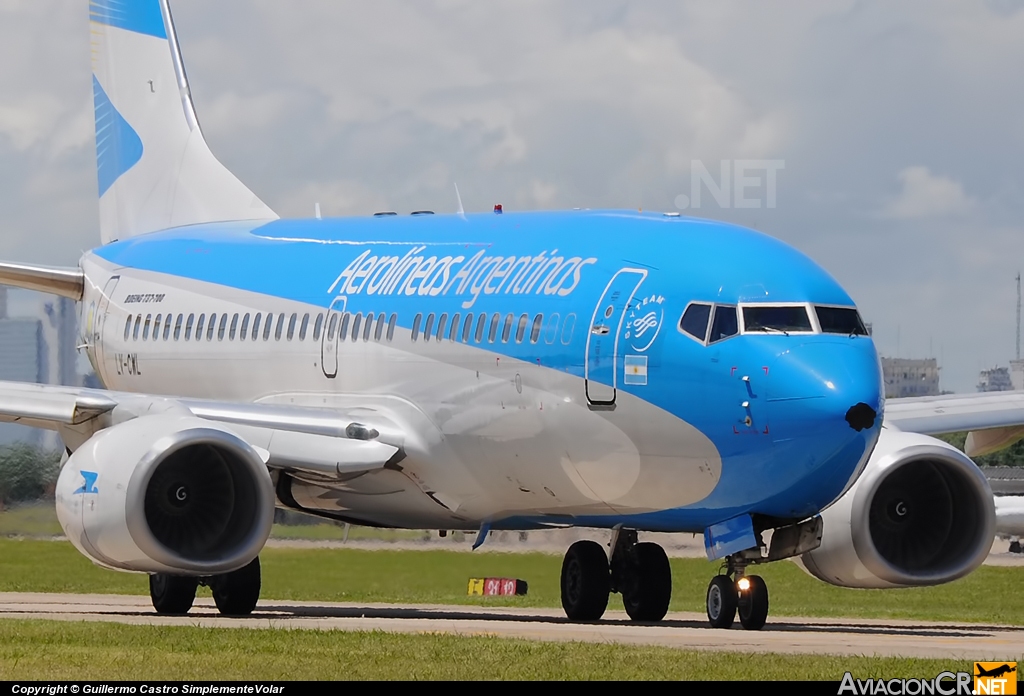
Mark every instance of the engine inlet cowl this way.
pixel 169 494
pixel 920 514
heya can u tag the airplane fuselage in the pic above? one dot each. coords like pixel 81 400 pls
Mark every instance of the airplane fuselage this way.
pixel 539 358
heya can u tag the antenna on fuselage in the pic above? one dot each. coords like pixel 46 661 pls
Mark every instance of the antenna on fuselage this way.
pixel 461 211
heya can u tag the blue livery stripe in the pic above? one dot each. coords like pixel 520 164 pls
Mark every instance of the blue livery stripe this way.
pixel 140 16
pixel 118 146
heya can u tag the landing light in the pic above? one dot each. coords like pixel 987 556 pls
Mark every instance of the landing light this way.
pixel 743 584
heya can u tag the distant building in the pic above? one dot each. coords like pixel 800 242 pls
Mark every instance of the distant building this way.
pixel 995 380
pixel 1017 374
pixel 23 358
pixel 910 377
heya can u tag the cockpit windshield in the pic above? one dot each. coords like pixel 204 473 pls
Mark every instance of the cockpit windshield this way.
pixel 840 320
pixel 776 319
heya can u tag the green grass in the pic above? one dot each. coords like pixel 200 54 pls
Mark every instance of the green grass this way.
pixel 989 595
pixel 49 650
pixel 31 520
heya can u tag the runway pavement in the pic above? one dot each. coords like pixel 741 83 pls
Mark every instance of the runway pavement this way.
pixel 680 630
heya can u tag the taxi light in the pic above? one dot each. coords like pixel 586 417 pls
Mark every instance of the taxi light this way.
pixel 743 584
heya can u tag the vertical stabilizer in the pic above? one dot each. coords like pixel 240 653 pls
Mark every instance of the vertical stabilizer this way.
pixel 154 167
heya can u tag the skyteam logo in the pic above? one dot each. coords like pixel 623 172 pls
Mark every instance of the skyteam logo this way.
pixel 644 322
pixel 90 483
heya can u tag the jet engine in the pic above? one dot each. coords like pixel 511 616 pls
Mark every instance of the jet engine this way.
pixel 921 513
pixel 167 493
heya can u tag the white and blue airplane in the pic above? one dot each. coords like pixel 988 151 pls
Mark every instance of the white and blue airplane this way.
pixel 632 372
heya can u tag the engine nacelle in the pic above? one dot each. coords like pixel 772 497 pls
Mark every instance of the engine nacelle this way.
pixel 921 513
pixel 167 493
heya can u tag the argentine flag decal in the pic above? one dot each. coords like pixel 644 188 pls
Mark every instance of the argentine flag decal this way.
pixel 636 369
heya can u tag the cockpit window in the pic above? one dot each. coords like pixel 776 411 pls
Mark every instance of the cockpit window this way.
pixel 840 320
pixel 695 320
pixel 724 324
pixel 773 319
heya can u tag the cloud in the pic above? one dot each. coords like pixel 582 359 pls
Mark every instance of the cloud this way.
pixel 927 195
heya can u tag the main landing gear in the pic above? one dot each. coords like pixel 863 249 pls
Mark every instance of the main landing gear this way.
pixel 639 571
pixel 234 593
pixel 736 592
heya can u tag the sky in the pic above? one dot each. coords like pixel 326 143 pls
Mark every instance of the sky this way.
pixel 894 131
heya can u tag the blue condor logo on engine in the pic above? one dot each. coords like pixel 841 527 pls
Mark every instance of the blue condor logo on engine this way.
pixel 418 273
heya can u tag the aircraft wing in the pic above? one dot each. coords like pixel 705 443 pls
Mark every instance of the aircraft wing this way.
pixel 994 420
pixel 326 441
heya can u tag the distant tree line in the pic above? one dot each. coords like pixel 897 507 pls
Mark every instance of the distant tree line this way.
pixel 27 473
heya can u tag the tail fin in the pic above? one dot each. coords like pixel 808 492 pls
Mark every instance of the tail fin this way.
pixel 154 167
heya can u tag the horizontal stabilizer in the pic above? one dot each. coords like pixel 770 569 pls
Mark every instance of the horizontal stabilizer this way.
pixel 66 282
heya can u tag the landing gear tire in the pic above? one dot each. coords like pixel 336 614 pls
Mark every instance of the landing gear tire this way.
pixel 753 603
pixel 586 581
pixel 648 587
pixel 172 594
pixel 237 592
pixel 722 601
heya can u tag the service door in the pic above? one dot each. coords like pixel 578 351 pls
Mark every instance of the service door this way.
pixel 329 339
pixel 103 329
pixel 601 366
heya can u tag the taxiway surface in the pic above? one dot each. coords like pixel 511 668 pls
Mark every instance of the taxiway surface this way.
pixel 678 630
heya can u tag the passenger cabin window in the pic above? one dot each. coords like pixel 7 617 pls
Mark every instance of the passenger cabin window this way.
pixel 346 318
pixel 840 320
pixel 467 328
pixel 145 327
pixel 256 325
pixel 156 327
pixel 357 320
pixel 453 335
pixel 223 327
pixel 724 324
pixel 127 328
pixel 695 321
pixel 291 326
pixel 774 319
pixel 268 327
pixel 233 331
pixel 441 323
pixel 428 327
pixel 416 326
pixel 199 327
pixel 367 327
pixel 538 322
pixel 391 326
pixel 138 323
pixel 481 324
pixel 303 327
pixel 493 333
pixel 551 333
pixel 177 326
pixel 318 327
pixel 188 327
pixel 521 329
pixel 331 326
pixel 243 333
pixel 211 327
pixel 379 331
pixel 279 331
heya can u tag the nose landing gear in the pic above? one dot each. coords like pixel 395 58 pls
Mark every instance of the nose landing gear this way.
pixel 737 592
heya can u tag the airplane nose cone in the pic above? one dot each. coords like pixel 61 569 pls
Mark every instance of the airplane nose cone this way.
pixel 825 410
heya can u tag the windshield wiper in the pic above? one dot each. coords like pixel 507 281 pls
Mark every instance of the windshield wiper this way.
pixel 766 329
